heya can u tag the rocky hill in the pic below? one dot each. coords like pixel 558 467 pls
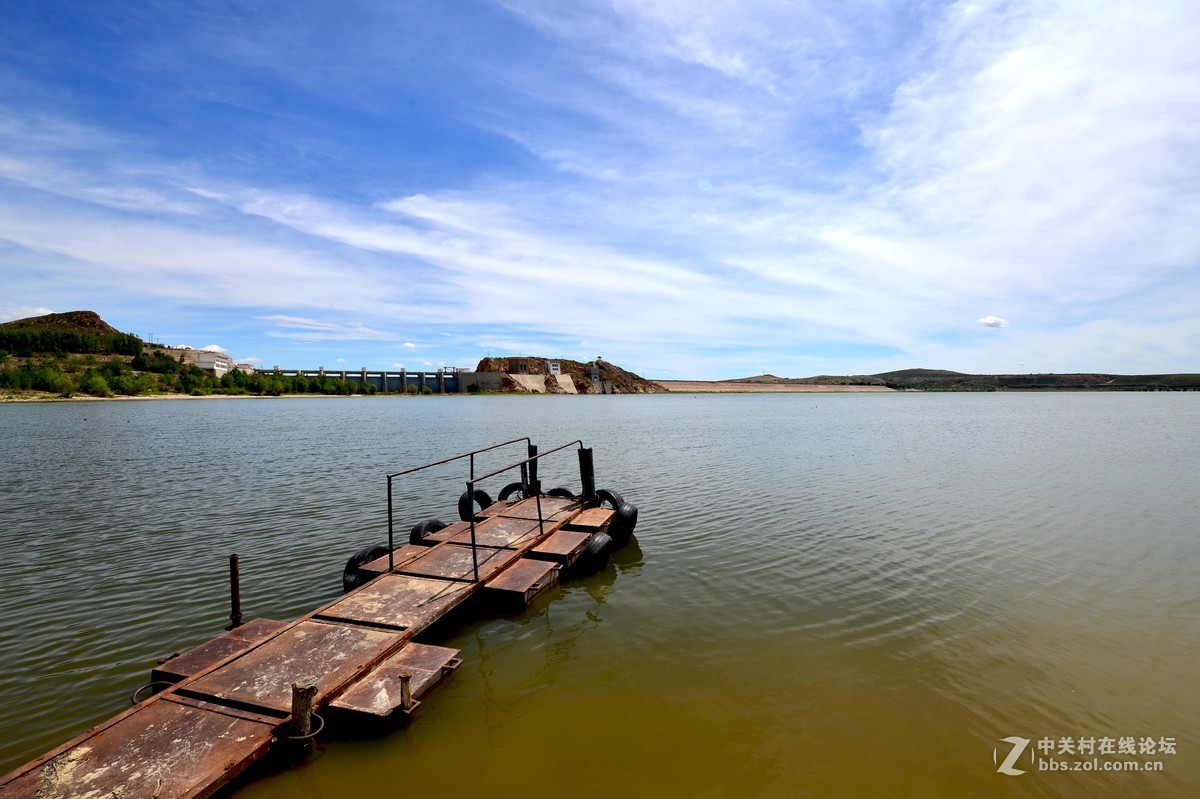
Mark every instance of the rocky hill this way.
pixel 75 332
pixel 618 380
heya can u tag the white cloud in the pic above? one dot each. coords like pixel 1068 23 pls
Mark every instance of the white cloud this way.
pixel 214 348
pixel 992 321
pixel 408 345
pixel 308 329
pixel 9 313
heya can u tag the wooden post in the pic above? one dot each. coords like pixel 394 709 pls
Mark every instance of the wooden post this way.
pixel 304 691
pixel 235 594
pixel 406 697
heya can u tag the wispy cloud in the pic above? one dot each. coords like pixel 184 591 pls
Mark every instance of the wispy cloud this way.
pixel 304 329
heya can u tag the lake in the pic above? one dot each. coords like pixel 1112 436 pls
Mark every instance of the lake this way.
pixel 828 595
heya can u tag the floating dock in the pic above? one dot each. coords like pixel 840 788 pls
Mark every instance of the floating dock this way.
pixel 351 664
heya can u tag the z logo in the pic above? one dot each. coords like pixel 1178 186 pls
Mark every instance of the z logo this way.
pixel 1018 746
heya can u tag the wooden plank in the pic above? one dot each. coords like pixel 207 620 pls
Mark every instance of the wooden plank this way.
pixel 592 520
pixel 334 654
pixel 562 547
pixel 521 582
pixel 495 509
pixel 499 532
pixel 400 556
pixel 400 601
pixel 556 508
pixel 212 652
pixel 163 750
pixel 378 694
pixel 451 561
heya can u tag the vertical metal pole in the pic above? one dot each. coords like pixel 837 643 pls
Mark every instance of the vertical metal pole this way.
pixel 235 594
pixel 391 544
pixel 533 470
pixel 587 475
pixel 474 547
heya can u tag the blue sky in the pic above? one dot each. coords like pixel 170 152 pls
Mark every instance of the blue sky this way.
pixel 688 189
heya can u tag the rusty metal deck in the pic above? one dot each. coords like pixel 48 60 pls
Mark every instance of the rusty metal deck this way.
pixel 379 693
pixel 400 601
pixel 164 749
pixel 231 696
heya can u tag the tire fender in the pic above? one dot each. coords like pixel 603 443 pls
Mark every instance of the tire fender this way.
pixel 593 555
pixel 509 490
pixel 422 529
pixel 351 576
pixel 625 518
pixel 466 504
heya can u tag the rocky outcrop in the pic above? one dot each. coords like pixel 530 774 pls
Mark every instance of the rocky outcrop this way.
pixel 594 377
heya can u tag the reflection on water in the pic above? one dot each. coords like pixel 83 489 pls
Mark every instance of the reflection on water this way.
pixel 829 595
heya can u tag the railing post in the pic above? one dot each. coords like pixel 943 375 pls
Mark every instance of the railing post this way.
pixel 533 486
pixel 587 475
pixel 474 546
pixel 391 542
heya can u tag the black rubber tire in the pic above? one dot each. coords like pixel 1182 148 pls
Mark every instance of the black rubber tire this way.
pixel 625 519
pixel 561 492
pixel 594 553
pixel 351 576
pixel 609 496
pixel 509 490
pixel 466 506
pixel 422 529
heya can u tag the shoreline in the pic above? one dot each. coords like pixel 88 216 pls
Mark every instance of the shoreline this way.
pixel 731 387
pixel 669 386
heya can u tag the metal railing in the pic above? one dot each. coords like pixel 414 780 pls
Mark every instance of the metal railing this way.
pixel 530 484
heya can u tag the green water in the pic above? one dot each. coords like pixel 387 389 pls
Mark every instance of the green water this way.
pixel 829 595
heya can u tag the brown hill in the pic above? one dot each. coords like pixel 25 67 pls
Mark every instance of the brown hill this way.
pixel 71 322
pixel 619 380
pixel 76 332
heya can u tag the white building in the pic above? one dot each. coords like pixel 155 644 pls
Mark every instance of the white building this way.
pixel 216 362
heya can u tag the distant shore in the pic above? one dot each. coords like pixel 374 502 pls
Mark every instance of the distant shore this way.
pixel 734 387
pixel 672 386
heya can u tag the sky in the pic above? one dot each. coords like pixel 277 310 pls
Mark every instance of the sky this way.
pixel 689 189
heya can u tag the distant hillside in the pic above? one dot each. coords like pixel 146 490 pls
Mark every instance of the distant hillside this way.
pixel 79 353
pixel 74 321
pixel 818 380
pixel 621 381
pixel 945 380
pixel 921 374
pixel 933 380
pixel 76 332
